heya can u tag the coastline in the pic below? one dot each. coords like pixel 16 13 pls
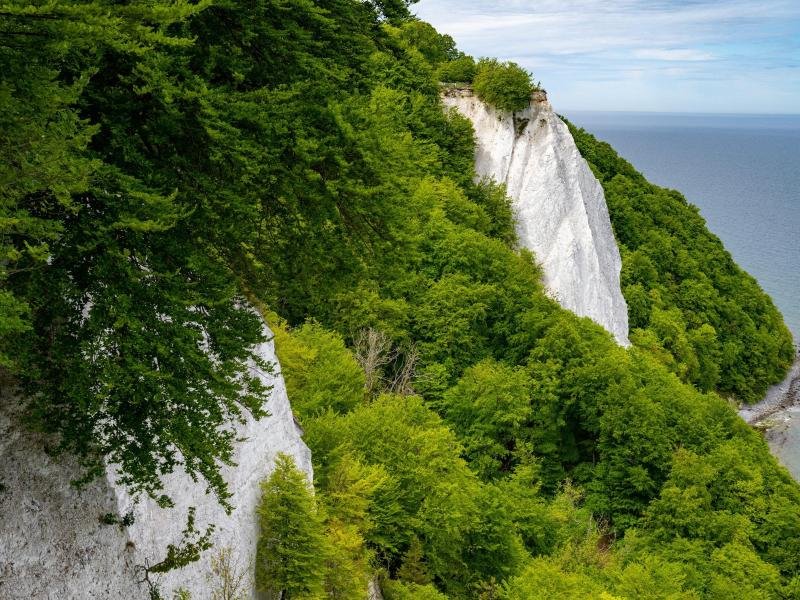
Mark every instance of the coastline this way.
pixel 780 396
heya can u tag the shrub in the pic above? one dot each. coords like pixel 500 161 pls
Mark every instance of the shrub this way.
pixel 320 372
pixel 460 70
pixel 506 86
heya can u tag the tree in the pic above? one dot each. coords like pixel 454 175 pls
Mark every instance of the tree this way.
pixel 544 580
pixel 459 70
pixel 48 55
pixel 435 47
pixel 394 10
pixel 506 86
pixel 291 550
pixel 320 372
pixel 130 339
pixel 710 321
pixel 412 569
pixel 397 590
pixel 490 409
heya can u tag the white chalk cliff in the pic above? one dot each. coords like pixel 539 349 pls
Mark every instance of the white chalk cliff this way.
pixel 53 544
pixel 560 209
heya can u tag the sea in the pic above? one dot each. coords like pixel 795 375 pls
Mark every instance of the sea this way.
pixel 743 173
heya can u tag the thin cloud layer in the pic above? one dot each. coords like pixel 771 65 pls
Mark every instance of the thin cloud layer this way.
pixel 683 56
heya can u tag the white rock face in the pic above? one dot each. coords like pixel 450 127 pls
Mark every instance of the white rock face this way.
pixel 561 213
pixel 53 545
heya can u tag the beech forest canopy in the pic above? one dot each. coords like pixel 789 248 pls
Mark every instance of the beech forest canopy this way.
pixel 167 166
pixel 688 302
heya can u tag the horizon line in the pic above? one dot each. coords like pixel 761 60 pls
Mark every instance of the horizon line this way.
pixel 682 113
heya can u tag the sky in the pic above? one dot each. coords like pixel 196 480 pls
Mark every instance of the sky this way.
pixel 690 56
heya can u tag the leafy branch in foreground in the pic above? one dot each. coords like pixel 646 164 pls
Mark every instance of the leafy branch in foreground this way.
pixel 119 314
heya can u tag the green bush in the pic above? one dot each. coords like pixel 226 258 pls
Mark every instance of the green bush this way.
pixel 320 372
pixel 434 46
pixel 506 86
pixel 460 70
pixel 397 590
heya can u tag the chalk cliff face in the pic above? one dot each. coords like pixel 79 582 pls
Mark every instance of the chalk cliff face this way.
pixel 53 544
pixel 560 208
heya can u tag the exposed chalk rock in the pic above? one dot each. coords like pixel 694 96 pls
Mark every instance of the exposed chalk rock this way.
pixel 561 213
pixel 54 546
pixel 374 590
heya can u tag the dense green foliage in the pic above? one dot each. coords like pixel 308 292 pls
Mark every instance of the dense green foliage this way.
pixel 148 165
pixel 506 86
pixel 291 541
pixel 471 439
pixel 458 70
pixel 131 344
pixel 466 508
pixel 688 302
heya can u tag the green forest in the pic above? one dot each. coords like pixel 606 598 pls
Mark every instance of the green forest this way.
pixel 165 166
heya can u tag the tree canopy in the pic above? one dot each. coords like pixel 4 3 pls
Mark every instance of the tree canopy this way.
pixel 504 85
pixel 164 161
pixel 688 302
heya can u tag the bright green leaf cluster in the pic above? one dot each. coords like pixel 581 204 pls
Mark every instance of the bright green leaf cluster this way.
pixel 688 302
pixel 506 86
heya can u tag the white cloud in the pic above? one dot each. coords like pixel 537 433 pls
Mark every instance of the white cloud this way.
pixel 673 54
pixel 592 26
pixel 654 43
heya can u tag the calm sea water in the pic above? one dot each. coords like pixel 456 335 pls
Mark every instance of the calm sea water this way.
pixel 742 171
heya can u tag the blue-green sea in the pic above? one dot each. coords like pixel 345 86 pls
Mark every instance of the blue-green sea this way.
pixel 742 171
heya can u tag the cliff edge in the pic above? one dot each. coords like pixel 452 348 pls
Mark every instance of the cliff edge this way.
pixel 561 213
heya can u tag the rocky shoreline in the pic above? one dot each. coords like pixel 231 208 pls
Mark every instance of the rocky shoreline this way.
pixel 779 397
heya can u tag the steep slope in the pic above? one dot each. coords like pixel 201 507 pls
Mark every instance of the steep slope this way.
pixel 560 209
pixel 54 544
pixel 689 302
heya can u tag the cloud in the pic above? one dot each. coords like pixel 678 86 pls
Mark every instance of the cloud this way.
pixel 673 54
pixel 642 42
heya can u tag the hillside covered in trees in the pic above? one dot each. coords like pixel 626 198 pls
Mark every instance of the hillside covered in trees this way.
pixel 166 165
pixel 688 302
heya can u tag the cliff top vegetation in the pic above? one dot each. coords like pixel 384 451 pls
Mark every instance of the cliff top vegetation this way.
pixel 504 85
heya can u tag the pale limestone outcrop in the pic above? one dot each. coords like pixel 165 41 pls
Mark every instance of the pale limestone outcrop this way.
pixel 53 545
pixel 560 209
